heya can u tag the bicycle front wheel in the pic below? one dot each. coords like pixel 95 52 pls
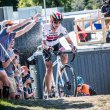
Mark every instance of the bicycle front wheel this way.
pixel 67 81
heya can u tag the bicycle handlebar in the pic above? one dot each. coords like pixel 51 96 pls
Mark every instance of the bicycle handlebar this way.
pixel 64 52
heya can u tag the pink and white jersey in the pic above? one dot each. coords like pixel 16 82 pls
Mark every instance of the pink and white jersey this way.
pixel 52 38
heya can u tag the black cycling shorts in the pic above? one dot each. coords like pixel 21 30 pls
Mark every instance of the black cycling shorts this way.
pixel 47 54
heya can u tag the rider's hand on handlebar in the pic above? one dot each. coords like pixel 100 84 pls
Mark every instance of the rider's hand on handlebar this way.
pixel 50 49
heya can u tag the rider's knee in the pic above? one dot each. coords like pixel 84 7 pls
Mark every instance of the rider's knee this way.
pixel 49 64
pixel 64 59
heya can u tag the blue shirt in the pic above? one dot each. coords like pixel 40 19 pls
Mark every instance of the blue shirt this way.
pixel 9 70
pixel 28 90
pixel 5 39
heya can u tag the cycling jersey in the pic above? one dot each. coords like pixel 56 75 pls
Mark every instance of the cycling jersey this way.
pixel 52 38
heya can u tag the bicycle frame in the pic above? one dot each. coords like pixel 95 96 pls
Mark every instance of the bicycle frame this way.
pixel 58 74
pixel 58 81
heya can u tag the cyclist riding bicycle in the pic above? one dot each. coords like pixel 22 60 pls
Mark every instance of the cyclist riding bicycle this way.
pixel 50 42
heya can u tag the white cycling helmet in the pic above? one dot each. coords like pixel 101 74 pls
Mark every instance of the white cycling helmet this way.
pixel 56 16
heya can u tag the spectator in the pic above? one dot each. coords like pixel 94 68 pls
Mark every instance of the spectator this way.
pixel 6 35
pixel 17 68
pixel 28 93
pixel 84 88
pixel 105 10
pixel 1 85
pixel 24 70
pixel 8 65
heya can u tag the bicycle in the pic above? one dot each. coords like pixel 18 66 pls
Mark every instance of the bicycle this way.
pixel 65 81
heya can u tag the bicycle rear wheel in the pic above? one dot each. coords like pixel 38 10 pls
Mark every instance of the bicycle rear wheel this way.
pixel 67 83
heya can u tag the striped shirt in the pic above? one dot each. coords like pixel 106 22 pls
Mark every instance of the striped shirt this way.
pixel 52 38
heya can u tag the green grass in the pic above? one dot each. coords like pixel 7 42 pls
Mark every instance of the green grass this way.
pixel 38 104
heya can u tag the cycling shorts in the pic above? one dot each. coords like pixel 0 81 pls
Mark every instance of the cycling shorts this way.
pixel 47 54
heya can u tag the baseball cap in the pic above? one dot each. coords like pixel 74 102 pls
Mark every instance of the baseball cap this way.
pixel 6 23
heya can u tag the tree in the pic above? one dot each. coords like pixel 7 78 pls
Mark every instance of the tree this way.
pixel 9 3
pixel 78 5
pixel 88 4
pixel 69 5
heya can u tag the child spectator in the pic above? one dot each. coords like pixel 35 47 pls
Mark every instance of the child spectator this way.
pixel 83 88
pixel 28 93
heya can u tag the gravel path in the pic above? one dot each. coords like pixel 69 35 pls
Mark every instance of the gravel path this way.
pixel 99 102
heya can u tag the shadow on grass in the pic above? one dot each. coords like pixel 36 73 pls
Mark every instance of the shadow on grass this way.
pixel 2 107
pixel 48 104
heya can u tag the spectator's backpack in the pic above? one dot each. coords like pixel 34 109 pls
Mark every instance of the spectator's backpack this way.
pixel 92 91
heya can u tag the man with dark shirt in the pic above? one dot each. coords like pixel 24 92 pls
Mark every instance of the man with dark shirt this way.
pixel 105 10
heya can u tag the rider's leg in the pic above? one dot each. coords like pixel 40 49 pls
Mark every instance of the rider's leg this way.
pixel 48 77
pixel 64 58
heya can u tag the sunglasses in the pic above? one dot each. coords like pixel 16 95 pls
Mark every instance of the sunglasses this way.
pixel 56 22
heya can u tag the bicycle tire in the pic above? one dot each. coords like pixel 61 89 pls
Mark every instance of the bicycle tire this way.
pixel 67 90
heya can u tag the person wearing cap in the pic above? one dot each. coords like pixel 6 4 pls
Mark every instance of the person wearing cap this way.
pixel 11 68
pixel 81 87
pixel 84 88
pixel 28 93
pixel 24 70
pixel 8 66
pixel 105 10
pixel 6 35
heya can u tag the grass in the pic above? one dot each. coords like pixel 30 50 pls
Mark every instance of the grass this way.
pixel 41 104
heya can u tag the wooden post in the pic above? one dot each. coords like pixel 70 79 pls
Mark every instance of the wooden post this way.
pixel 91 22
pixel 76 32
pixel 102 31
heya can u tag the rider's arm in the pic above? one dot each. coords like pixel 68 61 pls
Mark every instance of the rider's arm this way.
pixel 70 42
pixel 65 33
pixel 44 45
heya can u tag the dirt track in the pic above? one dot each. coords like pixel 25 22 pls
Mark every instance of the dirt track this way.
pixel 87 103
